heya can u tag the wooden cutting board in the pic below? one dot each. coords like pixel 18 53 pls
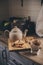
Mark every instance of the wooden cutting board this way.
pixel 26 46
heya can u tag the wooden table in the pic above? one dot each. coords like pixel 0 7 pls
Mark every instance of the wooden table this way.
pixel 35 58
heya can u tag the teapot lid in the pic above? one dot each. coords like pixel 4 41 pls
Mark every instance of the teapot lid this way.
pixel 15 26
pixel 16 29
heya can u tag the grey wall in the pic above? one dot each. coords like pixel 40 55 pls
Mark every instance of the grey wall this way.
pixel 30 8
pixel 4 9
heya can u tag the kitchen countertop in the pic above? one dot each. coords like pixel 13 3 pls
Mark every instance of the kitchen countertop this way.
pixel 35 58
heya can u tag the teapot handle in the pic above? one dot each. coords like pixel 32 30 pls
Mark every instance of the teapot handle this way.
pixel 6 33
pixel 25 32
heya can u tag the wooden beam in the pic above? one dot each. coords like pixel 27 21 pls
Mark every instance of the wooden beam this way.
pixel 41 2
pixel 22 3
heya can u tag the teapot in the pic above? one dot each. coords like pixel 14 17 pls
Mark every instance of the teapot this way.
pixel 15 34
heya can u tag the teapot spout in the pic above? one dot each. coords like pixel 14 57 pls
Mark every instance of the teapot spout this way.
pixel 25 32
